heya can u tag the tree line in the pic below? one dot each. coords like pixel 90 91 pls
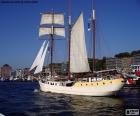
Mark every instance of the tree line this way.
pixel 127 54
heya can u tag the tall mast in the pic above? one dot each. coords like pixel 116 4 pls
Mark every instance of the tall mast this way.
pixel 52 43
pixel 54 25
pixel 93 36
pixel 69 35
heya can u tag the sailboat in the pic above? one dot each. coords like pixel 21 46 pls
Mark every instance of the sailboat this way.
pixel 81 80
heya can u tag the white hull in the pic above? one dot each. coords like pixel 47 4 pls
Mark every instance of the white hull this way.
pixel 96 90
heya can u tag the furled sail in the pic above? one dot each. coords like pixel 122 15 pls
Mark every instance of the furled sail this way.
pixel 37 59
pixel 93 14
pixel 41 62
pixel 46 31
pixel 50 18
pixel 78 53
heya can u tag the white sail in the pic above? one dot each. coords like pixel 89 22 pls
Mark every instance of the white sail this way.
pixel 93 14
pixel 40 66
pixel 50 18
pixel 46 31
pixel 59 31
pixel 37 59
pixel 59 19
pixel 78 54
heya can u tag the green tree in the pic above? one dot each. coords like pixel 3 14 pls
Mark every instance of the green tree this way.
pixel 122 55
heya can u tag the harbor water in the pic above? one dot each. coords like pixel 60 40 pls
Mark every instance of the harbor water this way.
pixel 25 99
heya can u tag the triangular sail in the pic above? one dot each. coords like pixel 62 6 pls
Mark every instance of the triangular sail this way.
pixel 78 53
pixel 37 59
pixel 40 66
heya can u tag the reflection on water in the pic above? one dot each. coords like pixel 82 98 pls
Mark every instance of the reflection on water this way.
pixel 78 105
pixel 21 99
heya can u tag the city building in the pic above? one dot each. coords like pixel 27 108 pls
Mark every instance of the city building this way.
pixel 64 68
pixel 56 67
pixel 19 73
pixel 45 71
pixel 6 70
pixel 26 72
pixel 136 59
pixel 110 63
pixel 119 63
pixel 126 63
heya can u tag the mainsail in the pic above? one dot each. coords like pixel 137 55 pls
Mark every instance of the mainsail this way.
pixel 39 55
pixel 78 53
pixel 40 66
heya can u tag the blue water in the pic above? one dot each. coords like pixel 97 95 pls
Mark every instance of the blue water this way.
pixel 24 99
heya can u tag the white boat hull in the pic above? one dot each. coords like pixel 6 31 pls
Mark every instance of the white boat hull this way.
pixel 106 89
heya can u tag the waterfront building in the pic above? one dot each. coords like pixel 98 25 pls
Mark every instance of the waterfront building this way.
pixel 19 73
pixel 56 68
pixel 119 63
pixel 26 72
pixel 136 59
pixel 45 71
pixel 110 63
pixel 13 74
pixel 64 68
pixel 126 62
pixel 6 70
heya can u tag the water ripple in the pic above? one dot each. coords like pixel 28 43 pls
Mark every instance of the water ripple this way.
pixel 22 99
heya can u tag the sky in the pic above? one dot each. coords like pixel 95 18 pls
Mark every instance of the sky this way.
pixel 117 28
